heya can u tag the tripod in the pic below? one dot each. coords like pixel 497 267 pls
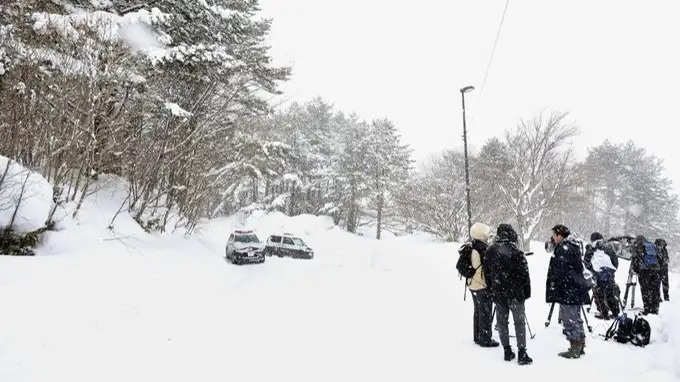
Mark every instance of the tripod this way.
pixel 631 282
pixel 559 319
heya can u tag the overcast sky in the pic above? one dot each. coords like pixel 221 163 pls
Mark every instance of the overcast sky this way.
pixel 615 65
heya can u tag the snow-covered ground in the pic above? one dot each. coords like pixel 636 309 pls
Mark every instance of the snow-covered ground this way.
pixel 96 305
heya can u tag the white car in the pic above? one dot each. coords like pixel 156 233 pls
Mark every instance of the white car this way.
pixel 288 245
pixel 244 247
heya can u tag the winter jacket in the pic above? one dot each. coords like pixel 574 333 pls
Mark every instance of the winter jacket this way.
pixel 480 233
pixel 598 256
pixel 566 284
pixel 506 269
pixel 663 253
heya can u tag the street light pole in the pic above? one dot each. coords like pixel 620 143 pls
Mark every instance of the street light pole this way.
pixel 467 166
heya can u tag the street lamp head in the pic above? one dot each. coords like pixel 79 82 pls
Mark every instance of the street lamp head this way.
pixel 467 89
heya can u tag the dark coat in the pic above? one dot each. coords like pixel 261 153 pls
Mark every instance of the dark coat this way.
pixel 663 253
pixel 565 284
pixel 506 269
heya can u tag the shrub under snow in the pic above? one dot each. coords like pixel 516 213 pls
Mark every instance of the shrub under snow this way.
pixel 25 197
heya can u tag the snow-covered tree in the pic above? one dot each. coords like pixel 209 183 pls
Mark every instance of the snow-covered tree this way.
pixel 433 199
pixel 388 164
pixel 535 167
pixel 146 90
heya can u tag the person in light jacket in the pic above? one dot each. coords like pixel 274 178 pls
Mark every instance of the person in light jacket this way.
pixel 481 297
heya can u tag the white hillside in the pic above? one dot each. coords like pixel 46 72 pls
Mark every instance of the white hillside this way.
pixel 97 305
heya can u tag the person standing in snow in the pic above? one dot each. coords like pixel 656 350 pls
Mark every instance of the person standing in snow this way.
pixel 602 261
pixel 646 263
pixel 481 297
pixel 507 276
pixel 567 286
pixel 663 255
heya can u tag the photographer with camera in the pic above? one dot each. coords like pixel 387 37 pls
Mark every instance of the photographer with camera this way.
pixel 602 261
pixel 567 287
pixel 507 276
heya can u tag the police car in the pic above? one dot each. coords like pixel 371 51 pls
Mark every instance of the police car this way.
pixel 244 247
pixel 288 245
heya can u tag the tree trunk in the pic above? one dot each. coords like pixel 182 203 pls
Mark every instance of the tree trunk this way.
pixel 381 203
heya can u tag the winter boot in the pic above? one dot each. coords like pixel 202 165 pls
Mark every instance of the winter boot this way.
pixel 509 354
pixel 602 316
pixel 489 344
pixel 574 351
pixel 523 358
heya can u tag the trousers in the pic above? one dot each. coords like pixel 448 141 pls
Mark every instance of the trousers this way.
pixel 572 322
pixel 481 318
pixel 650 288
pixel 503 310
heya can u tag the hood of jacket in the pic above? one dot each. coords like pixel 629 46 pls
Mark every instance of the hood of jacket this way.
pixel 505 232
pixel 480 231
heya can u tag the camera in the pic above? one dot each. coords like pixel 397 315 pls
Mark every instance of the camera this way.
pixel 550 245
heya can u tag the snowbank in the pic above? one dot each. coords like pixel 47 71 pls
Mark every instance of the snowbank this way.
pixel 25 197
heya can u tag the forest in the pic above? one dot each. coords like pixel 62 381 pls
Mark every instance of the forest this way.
pixel 179 98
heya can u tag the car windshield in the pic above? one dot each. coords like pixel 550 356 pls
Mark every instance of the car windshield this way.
pixel 246 238
pixel 299 241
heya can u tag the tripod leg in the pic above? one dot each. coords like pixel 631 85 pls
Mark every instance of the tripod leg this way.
pixel 632 298
pixel 585 317
pixel 552 307
pixel 625 297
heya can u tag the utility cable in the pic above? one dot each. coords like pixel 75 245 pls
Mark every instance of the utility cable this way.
pixel 498 35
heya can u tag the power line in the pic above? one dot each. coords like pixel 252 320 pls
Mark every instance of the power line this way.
pixel 498 35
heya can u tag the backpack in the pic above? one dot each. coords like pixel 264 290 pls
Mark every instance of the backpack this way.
pixel 601 260
pixel 641 332
pixel 464 263
pixel 650 259
pixel 625 329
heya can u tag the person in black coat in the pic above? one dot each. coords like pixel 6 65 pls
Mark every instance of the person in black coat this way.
pixel 602 261
pixel 663 252
pixel 507 276
pixel 567 286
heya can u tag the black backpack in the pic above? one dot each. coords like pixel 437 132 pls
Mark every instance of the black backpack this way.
pixel 625 329
pixel 464 264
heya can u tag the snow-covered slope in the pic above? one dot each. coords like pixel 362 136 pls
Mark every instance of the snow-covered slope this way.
pixel 97 305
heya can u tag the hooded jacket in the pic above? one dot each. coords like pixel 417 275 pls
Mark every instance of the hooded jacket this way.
pixel 506 269
pixel 565 283
pixel 480 233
